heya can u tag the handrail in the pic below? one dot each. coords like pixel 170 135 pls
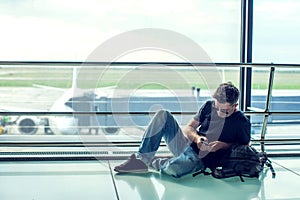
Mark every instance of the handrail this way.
pixel 37 113
pixel 268 100
pixel 78 63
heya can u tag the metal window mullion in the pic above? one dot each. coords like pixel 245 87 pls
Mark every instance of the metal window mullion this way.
pixel 246 53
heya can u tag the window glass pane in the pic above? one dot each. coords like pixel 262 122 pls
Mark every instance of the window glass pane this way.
pixel 71 30
pixel 285 91
pixel 112 91
pixel 258 97
pixel 275 39
pixel 285 98
pixel 276 31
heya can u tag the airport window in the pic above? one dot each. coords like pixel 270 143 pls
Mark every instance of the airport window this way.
pixel 68 78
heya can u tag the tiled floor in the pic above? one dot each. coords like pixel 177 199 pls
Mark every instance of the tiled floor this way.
pixel 88 180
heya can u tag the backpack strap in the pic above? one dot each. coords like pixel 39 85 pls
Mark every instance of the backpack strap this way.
pixel 206 173
pixel 202 171
pixel 269 164
pixel 241 178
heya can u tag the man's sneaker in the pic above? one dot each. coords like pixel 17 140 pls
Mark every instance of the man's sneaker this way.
pixel 132 165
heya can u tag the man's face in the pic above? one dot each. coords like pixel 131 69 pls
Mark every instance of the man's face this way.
pixel 224 109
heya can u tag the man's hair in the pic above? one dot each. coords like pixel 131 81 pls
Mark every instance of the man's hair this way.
pixel 227 93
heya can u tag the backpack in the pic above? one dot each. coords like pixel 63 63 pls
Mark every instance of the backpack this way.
pixel 242 161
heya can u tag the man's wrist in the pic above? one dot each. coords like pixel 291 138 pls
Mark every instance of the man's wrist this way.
pixel 196 138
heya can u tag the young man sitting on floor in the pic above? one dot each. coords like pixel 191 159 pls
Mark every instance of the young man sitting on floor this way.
pixel 204 141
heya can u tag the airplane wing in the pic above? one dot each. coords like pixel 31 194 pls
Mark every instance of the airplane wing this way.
pixel 48 87
pixel 19 109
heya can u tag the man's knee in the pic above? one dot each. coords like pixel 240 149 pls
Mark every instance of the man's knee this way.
pixel 164 114
pixel 172 170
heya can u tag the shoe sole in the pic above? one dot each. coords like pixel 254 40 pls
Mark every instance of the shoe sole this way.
pixel 132 171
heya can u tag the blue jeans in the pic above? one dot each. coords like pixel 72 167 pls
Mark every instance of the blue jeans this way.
pixel 184 160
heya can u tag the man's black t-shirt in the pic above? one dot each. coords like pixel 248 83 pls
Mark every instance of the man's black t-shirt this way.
pixel 232 129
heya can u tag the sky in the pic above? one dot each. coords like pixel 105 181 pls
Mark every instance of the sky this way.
pixel 68 30
pixel 71 30
pixel 276 31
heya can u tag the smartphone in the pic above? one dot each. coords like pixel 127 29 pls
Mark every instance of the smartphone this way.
pixel 204 142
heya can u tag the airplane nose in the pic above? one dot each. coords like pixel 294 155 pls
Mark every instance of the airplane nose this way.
pixel 66 125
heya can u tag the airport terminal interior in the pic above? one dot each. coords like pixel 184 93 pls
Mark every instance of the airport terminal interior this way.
pixel 80 82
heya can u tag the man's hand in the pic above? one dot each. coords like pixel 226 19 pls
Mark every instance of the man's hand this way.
pixel 202 143
pixel 214 146
pixel 217 145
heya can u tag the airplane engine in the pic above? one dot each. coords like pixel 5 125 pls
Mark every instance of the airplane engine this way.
pixel 111 130
pixel 28 125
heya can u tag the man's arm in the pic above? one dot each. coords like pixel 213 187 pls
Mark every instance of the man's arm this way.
pixel 191 133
